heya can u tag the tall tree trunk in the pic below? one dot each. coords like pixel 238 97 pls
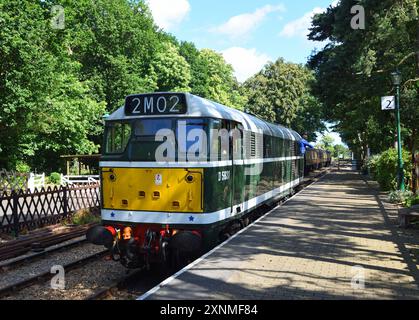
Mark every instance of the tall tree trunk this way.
pixel 415 131
pixel 414 176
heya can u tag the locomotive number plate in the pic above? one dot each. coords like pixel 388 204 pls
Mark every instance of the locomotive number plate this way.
pixel 155 104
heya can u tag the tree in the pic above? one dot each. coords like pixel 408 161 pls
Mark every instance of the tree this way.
pixel 172 72
pixel 353 71
pixel 116 43
pixel 42 96
pixel 340 150
pixel 213 79
pixel 280 93
pixel 327 143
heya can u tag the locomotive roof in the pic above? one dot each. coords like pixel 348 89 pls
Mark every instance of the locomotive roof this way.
pixel 203 108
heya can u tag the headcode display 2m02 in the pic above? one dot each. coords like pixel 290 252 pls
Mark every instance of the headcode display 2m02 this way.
pixel 155 104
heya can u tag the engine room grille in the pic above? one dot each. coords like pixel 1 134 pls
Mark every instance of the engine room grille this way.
pixel 252 144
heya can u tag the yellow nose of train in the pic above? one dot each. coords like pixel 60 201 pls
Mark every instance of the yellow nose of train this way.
pixel 158 190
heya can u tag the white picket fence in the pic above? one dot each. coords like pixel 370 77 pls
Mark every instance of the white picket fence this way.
pixel 79 180
pixel 36 181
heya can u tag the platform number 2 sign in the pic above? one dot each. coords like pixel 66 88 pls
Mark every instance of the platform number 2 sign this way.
pixel 388 103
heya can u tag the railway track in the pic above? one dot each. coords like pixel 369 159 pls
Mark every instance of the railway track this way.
pixel 34 256
pixel 47 275
pixel 38 242
pixel 136 278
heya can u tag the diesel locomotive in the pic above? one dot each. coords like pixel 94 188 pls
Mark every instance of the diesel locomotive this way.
pixel 179 173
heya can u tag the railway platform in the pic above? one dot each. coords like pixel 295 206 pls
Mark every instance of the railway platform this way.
pixel 337 239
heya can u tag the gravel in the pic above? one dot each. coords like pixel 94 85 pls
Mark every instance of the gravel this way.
pixel 80 282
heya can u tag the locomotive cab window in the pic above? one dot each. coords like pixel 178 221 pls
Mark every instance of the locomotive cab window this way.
pixel 147 129
pixel 220 140
pixel 117 137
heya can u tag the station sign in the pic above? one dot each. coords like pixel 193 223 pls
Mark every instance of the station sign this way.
pixel 388 103
pixel 155 104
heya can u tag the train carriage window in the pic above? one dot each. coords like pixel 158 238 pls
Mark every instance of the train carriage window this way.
pixel 117 137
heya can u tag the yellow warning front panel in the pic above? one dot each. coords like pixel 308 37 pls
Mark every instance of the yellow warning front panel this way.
pixel 168 190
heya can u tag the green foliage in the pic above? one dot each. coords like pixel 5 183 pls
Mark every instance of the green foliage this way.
pixel 115 42
pixel 400 197
pixel 47 107
pixel 412 200
pixel 281 93
pixel 340 150
pixel 372 165
pixel 171 70
pixel 383 168
pixel 353 71
pixel 215 80
pixel 327 143
pixel 22 167
pixel 55 178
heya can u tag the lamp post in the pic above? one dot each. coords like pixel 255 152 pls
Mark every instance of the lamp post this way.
pixel 397 80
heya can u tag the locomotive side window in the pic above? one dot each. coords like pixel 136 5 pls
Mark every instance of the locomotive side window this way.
pixel 237 140
pixel 220 140
pixel 196 131
pixel 117 137
pixel 267 146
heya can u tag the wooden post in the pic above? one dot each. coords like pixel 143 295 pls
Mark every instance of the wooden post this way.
pixel 15 203
pixel 65 201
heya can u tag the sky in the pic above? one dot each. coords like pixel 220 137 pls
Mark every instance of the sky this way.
pixel 248 33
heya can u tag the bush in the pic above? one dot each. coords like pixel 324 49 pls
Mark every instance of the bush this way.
pixel 55 178
pixel 22 167
pixel 371 166
pixel 411 201
pixel 400 197
pixel 384 168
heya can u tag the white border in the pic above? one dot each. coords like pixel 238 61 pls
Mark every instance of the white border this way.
pixel 197 218
pixel 199 260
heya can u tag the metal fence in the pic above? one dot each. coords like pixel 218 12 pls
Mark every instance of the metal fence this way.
pixel 24 209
